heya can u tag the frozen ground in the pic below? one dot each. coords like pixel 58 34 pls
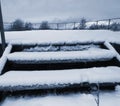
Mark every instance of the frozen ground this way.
pixel 106 99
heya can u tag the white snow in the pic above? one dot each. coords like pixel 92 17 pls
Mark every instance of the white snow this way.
pixel 52 100
pixel 110 98
pixel 82 56
pixel 106 99
pixel 3 59
pixel 62 36
pixel 42 79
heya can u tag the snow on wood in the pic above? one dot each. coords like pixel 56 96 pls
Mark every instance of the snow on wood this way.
pixel 76 56
pixel 109 46
pixel 3 59
pixel 17 80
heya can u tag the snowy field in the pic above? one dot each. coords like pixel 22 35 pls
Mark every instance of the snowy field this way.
pixel 62 36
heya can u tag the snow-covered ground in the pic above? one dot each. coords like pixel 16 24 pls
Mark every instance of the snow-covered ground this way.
pixel 62 36
pixel 106 99
pixel 52 100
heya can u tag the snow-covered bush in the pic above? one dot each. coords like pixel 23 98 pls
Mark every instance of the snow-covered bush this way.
pixel 17 25
pixel 115 27
pixel 82 23
pixel 44 25
pixel 28 26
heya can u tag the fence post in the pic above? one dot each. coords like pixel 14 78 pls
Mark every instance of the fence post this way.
pixel 65 26
pixel 109 21
pixel 57 26
pixel 74 25
pixel 97 25
pixel 2 29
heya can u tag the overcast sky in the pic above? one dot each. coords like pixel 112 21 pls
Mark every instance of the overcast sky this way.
pixel 38 10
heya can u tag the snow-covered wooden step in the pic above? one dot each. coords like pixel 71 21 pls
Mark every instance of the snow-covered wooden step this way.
pixel 61 57
pixel 27 80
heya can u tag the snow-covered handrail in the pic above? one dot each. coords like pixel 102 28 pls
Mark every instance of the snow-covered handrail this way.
pixel 109 46
pixel 3 59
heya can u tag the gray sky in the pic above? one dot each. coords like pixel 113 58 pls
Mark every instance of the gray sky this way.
pixel 38 10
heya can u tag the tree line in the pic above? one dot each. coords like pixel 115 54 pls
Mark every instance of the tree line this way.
pixel 20 25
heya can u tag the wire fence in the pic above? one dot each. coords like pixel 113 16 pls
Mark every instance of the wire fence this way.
pixel 97 24
pixel 108 22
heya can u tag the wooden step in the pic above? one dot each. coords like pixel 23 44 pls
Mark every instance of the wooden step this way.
pixel 28 80
pixel 60 60
pixel 61 57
